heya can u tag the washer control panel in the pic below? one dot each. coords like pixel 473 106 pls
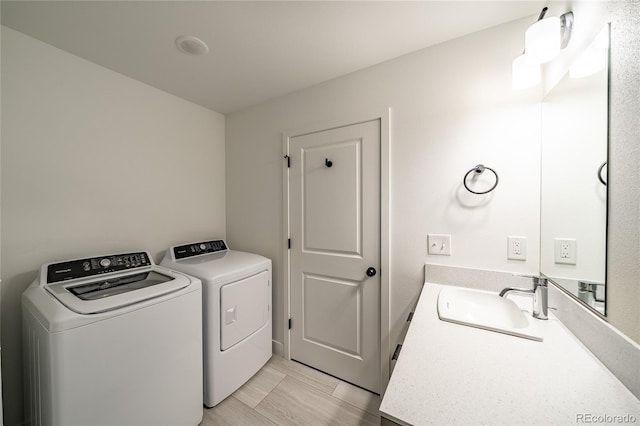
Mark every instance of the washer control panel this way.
pixel 81 268
pixel 198 249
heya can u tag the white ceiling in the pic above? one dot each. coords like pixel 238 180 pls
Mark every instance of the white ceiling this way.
pixel 257 50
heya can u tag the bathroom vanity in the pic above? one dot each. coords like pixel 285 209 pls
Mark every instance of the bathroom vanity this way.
pixel 450 373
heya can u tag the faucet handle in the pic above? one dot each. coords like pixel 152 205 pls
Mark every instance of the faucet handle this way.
pixel 538 280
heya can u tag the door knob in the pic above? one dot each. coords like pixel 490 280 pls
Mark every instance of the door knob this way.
pixel 371 271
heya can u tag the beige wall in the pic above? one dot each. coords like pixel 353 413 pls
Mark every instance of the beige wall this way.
pixel 94 162
pixel 623 238
pixel 1 407
pixel 452 107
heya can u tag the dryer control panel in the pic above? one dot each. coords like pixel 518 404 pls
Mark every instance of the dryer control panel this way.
pixel 198 249
pixel 80 268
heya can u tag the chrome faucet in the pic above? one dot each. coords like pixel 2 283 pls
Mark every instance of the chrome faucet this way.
pixel 539 293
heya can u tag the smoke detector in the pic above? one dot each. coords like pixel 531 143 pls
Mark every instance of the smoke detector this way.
pixel 191 45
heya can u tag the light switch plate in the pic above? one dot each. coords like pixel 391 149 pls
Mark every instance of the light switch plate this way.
pixel 439 244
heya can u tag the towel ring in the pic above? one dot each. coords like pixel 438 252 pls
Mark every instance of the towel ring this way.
pixel 477 170
pixel 602 181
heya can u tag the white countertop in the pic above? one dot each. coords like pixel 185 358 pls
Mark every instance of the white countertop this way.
pixel 453 374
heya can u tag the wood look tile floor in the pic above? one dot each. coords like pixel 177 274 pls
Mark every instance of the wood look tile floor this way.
pixel 289 393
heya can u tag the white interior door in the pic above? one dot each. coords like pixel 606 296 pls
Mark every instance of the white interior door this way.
pixel 335 252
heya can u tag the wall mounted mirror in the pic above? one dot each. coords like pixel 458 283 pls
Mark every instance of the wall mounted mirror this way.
pixel 573 217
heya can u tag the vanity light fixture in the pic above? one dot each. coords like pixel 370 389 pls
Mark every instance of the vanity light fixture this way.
pixel 544 39
pixel 524 74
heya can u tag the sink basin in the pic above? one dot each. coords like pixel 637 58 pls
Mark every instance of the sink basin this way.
pixel 485 310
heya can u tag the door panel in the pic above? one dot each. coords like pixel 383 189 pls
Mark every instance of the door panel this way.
pixel 332 314
pixel 332 211
pixel 334 201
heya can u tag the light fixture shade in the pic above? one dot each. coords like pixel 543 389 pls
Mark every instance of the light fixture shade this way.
pixel 523 75
pixel 542 41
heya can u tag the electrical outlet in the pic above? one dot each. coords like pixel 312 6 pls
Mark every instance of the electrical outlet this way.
pixel 439 244
pixel 566 251
pixel 517 248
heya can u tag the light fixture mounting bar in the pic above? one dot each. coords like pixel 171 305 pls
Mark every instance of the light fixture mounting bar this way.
pixel 566 23
pixel 543 12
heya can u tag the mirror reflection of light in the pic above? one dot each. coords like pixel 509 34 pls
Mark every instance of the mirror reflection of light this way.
pixel 523 75
pixel 594 58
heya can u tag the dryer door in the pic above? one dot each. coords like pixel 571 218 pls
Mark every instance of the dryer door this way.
pixel 244 308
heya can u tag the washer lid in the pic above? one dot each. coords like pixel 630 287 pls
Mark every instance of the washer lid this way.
pixel 117 285
pixel 92 296
pixel 98 284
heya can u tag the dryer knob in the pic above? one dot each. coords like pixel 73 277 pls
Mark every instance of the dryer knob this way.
pixel 203 247
pixel 105 263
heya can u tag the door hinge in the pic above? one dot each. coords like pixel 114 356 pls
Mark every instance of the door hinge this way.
pixel 396 353
pixel 286 157
pixel 289 243
pixel 289 323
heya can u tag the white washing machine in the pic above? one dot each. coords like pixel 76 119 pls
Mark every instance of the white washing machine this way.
pixel 236 312
pixel 112 340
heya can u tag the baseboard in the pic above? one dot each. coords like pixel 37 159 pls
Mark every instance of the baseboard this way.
pixel 277 348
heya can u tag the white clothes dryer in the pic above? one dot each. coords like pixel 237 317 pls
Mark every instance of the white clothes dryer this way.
pixel 112 340
pixel 236 312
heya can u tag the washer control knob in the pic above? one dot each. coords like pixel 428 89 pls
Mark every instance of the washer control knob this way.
pixel 105 263
pixel 203 247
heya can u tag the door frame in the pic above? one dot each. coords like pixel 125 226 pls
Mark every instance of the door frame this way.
pixel 383 116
